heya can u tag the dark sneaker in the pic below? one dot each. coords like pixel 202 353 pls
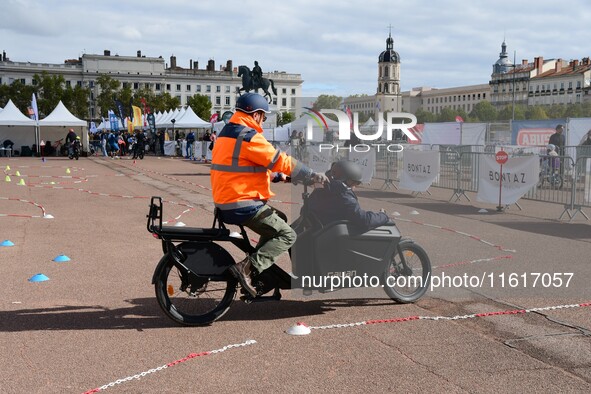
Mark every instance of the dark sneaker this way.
pixel 241 271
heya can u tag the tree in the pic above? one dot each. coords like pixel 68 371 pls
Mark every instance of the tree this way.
pixel 107 86
pixel 448 115
pixel 200 105
pixel 19 93
pixel 506 113
pixel 325 101
pixel 535 112
pixel 574 111
pixel 50 89
pixel 425 116
pixel 556 111
pixel 285 118
pixel 484 112
pixel 77 100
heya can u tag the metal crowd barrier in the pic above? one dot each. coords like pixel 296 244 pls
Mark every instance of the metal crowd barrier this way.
pixel 459 172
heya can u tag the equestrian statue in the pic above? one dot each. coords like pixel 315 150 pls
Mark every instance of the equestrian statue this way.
pixel 254 80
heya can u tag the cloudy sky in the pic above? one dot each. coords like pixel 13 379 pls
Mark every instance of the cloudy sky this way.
pixel 334 45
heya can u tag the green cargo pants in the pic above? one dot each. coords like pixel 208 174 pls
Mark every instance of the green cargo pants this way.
pixel 276 236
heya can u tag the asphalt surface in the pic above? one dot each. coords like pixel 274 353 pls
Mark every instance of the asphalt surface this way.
pixel 96 320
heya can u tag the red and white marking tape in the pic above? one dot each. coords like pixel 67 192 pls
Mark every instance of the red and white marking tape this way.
pixel 473 261
pixel 458 317
pixel 171 364
pixel 43 213
pixel 459 233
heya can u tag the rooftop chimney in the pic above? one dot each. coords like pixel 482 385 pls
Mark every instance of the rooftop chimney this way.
pixel 173 62
pixel 211 65
pixel 107 52
pixel 558 66
pixel 585 61
pixel 229 66
pixel 524 62
pixel 139 53
pixel 575 64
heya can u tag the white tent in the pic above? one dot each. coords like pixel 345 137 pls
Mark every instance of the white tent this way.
pixel 55 126
pixel 190 120
pixel 301 124
pixel 16 127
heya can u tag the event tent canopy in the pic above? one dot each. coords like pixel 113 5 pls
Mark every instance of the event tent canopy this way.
pixel 60 116
pixel 12 116
pixel 190 120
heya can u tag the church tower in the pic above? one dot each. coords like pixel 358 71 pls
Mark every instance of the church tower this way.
pixel 388 97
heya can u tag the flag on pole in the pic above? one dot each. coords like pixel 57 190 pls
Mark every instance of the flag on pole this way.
pixel 35 109
pixel 378 106
pixel 137 117
pixel 350 115
pixel 119 106
pixel 214 118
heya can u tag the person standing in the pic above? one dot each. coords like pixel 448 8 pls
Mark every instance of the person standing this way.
pixel 558 140
pixel 190 142
pixel 241 168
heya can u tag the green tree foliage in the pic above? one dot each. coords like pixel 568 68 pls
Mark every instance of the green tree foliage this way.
pixel 284 118
pixel 556 111
pixel 200 105
pixel 425 116
pixel 50 90
pixel 77 100
pixel 447 115
pixel 107 86
pixel 19 93
pixel 535 112
pixel 325 101
pixel 483 112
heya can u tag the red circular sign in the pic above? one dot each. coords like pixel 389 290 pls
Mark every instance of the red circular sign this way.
pixel 501 157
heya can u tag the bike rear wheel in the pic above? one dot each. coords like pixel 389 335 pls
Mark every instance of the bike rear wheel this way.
pixel 409 280
pixel 190 300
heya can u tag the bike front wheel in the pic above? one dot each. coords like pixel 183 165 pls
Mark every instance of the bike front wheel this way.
pixel 406 280
pixel 190 300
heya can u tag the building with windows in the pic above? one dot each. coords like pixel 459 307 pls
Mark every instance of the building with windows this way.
pixel 435 100
pixel 566 83
pixel 137 72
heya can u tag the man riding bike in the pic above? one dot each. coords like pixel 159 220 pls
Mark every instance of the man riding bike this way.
pixel 242 161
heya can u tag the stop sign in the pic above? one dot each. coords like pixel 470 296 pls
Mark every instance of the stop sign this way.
pixel 501 157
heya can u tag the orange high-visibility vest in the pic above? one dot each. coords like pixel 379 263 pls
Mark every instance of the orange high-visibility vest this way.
pixel 242 160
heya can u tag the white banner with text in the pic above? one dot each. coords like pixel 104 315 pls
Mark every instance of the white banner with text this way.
pixel 519 175
pixel 420 169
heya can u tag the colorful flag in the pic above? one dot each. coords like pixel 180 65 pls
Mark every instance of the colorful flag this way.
pixel 152 122
pixel 459 119
pixel 120 109
pixel 350 115
pixel 378 106
pixel 214 118
pixel 137 117
pixel 114 121
pixel 35 110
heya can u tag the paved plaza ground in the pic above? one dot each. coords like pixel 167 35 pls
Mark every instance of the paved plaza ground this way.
pixel 96 320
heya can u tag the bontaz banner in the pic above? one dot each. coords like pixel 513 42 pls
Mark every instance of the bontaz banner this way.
pixel 319 161
pixel 367 162
pixel 420 168
pixel 519 175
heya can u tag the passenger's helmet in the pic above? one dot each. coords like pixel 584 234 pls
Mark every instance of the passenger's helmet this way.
pixel 551 147
pixel 345 171
pixel 252 102
pixel 77 137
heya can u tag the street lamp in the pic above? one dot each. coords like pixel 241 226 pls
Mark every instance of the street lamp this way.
pixel 173 121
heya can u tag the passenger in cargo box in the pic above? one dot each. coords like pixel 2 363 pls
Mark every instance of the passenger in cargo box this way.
pixel 337 200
